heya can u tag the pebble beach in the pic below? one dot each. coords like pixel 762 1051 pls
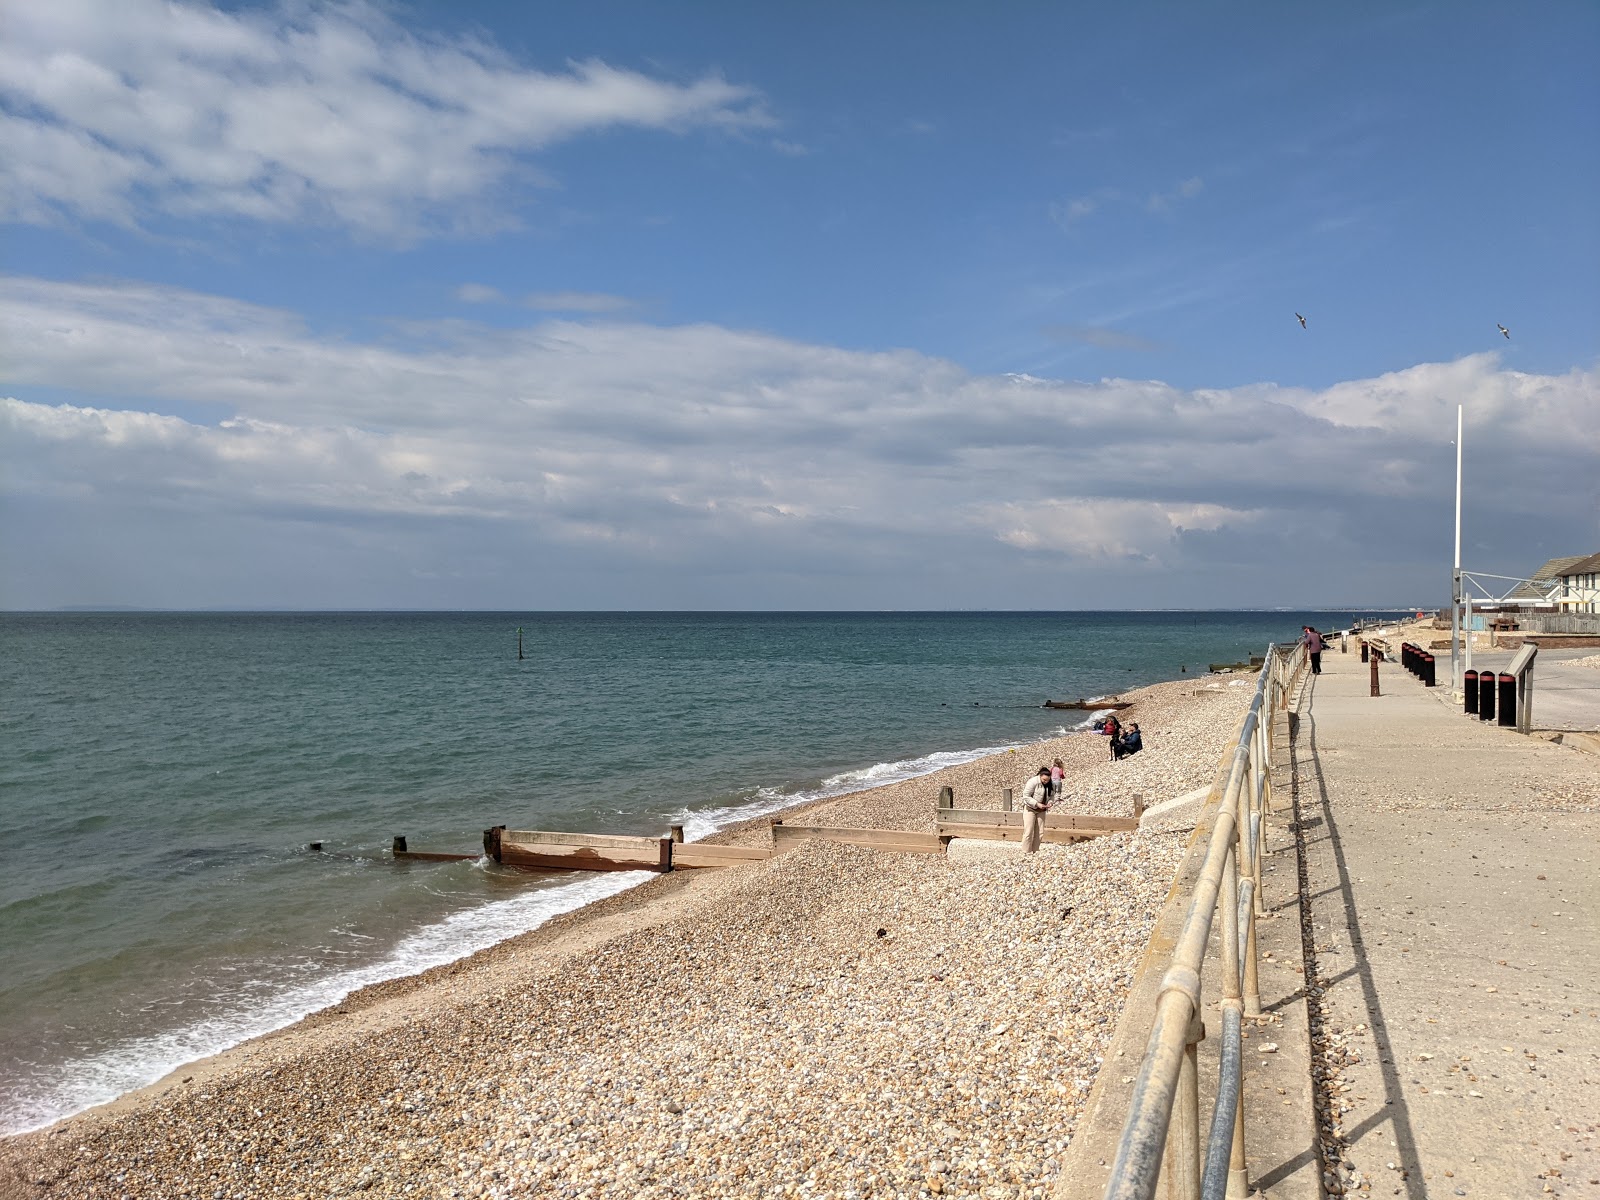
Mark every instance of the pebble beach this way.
pixel 835 1022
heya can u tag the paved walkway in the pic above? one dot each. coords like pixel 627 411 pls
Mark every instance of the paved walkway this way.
pixel 1454 883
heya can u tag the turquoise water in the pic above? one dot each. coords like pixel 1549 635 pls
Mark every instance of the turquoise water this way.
pixel 163 774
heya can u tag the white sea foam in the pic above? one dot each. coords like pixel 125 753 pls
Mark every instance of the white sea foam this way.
pixel 75 1086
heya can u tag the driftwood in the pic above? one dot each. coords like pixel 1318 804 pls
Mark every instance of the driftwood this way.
pixel 1090 705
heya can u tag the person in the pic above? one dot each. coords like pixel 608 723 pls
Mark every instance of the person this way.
pixel 1036 794
pixel 1113 730
pixel 1312 640
pixel 1057 774
pixel 1129 743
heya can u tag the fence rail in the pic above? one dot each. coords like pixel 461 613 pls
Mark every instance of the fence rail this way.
pixel 1161 1138
pixel 1559 622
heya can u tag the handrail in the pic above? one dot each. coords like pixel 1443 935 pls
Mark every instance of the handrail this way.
pixel 1162 1133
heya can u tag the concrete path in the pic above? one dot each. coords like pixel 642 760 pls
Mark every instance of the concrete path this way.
pixel 1453 875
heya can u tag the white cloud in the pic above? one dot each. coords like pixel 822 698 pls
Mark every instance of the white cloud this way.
pixel 1108 528
pixel 478 293
pixel 331 114
pixel 1164 201
pixel 701 452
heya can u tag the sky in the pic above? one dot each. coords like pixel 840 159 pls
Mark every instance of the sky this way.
pixel 810 305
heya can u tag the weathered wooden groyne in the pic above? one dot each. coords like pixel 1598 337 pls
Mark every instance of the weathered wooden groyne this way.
pixel 550 850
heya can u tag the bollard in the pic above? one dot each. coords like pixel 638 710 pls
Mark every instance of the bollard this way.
pixel 1508 701
pixel 1374 660
pixel 1485 695
pixel 1363 650
pixel 1469 702
pixel 1429 677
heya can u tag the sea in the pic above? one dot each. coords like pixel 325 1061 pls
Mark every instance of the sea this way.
pixel 163 777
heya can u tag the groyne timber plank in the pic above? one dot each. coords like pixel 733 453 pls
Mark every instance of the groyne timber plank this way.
pixel 1055 820
pixel 546 837
pixel 692 855
pixel 1057 836
pixel 584 852
pixel 899 841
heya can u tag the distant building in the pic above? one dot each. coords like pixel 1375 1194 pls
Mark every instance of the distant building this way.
pixel 1579 589
pixel 1543 586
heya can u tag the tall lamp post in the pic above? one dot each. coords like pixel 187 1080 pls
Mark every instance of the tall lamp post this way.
pixel 1456 680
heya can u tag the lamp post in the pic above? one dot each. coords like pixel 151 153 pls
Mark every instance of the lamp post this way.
pixel 1456 681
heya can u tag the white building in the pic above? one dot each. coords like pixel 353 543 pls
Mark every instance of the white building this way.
pixel 1580 585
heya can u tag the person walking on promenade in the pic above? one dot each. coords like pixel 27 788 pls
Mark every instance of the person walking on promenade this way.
pixel 1314 645
pixel 1036 794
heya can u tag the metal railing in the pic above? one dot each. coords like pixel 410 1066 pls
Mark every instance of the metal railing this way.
pixel 1161 1139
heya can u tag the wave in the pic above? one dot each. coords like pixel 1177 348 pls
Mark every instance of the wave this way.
pixel 74 1086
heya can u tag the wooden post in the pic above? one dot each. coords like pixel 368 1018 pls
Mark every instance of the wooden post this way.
pixel 1005 799
pixel 519 643
pixel 1138 806
pixel 400 845
pixel 491 841
pixel 947 797
pixel 677 832
pixel 314 846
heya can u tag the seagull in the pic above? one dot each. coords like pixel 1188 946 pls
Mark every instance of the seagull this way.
pixel 1503 329
pixel 1302 321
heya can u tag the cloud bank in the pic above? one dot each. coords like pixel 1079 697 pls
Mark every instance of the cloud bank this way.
pixel 159 443
pixel 326 114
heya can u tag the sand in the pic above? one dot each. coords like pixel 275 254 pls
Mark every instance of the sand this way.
pixel 836 1022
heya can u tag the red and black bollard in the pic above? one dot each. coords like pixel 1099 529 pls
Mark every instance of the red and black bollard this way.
pixel 1486 695
pixel 1508 700
pixel 1429 679
pixel 1469 685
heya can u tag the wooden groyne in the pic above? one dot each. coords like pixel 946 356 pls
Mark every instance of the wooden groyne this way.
pixel 550 850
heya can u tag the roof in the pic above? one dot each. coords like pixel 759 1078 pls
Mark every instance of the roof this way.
pixel 1584 566
pixel 1547 574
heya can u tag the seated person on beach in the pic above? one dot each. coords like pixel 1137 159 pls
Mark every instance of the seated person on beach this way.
pixel 1113 730
pixel 1129 743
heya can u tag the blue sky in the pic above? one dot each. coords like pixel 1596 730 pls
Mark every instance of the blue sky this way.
pixel 822 305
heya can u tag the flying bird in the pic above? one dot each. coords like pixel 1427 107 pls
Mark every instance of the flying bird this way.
pixel 1302 321
pixel 1502 329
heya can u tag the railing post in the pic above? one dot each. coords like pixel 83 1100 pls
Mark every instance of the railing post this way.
pixel 1238 1175
pixel 1180 1169
pixel 1231 1052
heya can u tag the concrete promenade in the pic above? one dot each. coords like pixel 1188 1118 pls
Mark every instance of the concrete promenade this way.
pixel 1453 879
